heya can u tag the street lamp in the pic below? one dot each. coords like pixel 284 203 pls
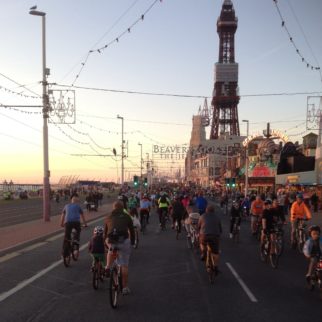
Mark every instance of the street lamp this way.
pixel 141 163
pixel 247 161
pixel 46 184
pixel 122 119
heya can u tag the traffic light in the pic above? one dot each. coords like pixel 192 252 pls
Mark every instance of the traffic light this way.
pixel 233 182
pixel 145 182
pixel 227 182
pixel 136 181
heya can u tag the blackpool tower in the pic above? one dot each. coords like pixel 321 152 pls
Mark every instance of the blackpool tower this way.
pixel 225 94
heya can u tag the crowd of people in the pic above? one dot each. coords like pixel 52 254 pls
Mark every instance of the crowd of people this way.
pixel 192 209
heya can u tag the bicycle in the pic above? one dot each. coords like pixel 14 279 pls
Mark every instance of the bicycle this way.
pixel 144 221
pixel 279 233
pixel 164 214
pixel 300 235
pixel 115 278
pixel 136 242
pixel 177 227
pixel 72 249
pixel 210 264
pixel 267 253
pixel 193 237
pixel 98 272
pixel 236 230
pixel 316 277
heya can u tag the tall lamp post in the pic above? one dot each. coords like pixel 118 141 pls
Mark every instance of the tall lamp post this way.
pixel 122 175
pixel 141 163
pixel 247 161
pixel 46 184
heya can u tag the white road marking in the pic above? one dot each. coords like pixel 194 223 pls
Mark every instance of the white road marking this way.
pixel 30 280
pixel 8 256
pixel 242 284
pixel 51 239
pixel 32 247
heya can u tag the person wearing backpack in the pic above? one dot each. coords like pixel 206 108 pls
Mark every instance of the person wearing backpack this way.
pixel 163 206
pixel 119 231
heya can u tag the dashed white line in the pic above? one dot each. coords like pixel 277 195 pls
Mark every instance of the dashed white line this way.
pixel 242 284
pixel 30 280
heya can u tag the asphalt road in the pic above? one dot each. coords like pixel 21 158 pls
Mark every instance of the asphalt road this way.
pixel 14 212
pixel 168 283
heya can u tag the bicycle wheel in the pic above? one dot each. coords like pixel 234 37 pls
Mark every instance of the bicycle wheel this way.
pixel 114 287
pixel 136 243
pixel 66 259
pixel 189 242
pixel 95 276
pixel 75 252
pixel 300 242
pixel 177 230
pixel 279 245
pixel 143 224
pixel 273 258
pixel 210 267
pixel 263 252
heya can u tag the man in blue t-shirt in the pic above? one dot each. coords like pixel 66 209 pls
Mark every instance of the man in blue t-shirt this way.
pixel 201 203
pixel 70 218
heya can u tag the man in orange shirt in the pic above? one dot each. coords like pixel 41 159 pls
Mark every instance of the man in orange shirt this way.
pixel 257 208
pixel 299 211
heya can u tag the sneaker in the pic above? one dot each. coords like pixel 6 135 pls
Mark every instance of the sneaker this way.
pixel 230 235
pixel 126 291
pixel 107 272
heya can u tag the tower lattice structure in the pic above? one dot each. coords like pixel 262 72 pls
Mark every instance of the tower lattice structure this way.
pixel 225 95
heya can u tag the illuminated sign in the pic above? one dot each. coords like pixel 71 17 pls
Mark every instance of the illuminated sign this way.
pixel 273 134
pixel 293 179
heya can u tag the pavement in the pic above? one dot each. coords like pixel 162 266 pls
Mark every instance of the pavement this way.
pixel 16 236
pixel 168 282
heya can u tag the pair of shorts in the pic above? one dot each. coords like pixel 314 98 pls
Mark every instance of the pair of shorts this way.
pixel 124 251
pixel 212 241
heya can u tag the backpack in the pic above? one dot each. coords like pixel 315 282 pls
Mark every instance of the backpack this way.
pixel 163 199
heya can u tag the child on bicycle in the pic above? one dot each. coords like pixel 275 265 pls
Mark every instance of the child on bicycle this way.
pixel 191 222
pixel 313 249
pixel 96 246
pixel 235 217
pixel 136 221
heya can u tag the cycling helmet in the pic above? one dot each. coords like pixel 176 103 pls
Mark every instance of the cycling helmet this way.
pixel 314 228
pixel 300 196
pixel 98 230
pixel 268 202
pixel 120 197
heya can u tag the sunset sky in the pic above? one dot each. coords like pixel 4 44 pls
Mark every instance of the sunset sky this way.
pixel 173 50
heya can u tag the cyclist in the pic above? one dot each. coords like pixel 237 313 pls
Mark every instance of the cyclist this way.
pixel 191 222
pixel 272 215
pixel 163 204
pixel 145 207
pixel 299 211
pixel 313 249
pixel 70 218
pixel 133 204
pixel 96 246
pixel 257 208
pixel 210 230
pixel 178 212
pixel 122 224
pixel 235 213
pixel 201 203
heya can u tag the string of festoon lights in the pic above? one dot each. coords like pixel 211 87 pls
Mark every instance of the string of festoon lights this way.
pixel 10 91
pixel 73 139
pixel 291 38
pixel 115 40
pixel 19 110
